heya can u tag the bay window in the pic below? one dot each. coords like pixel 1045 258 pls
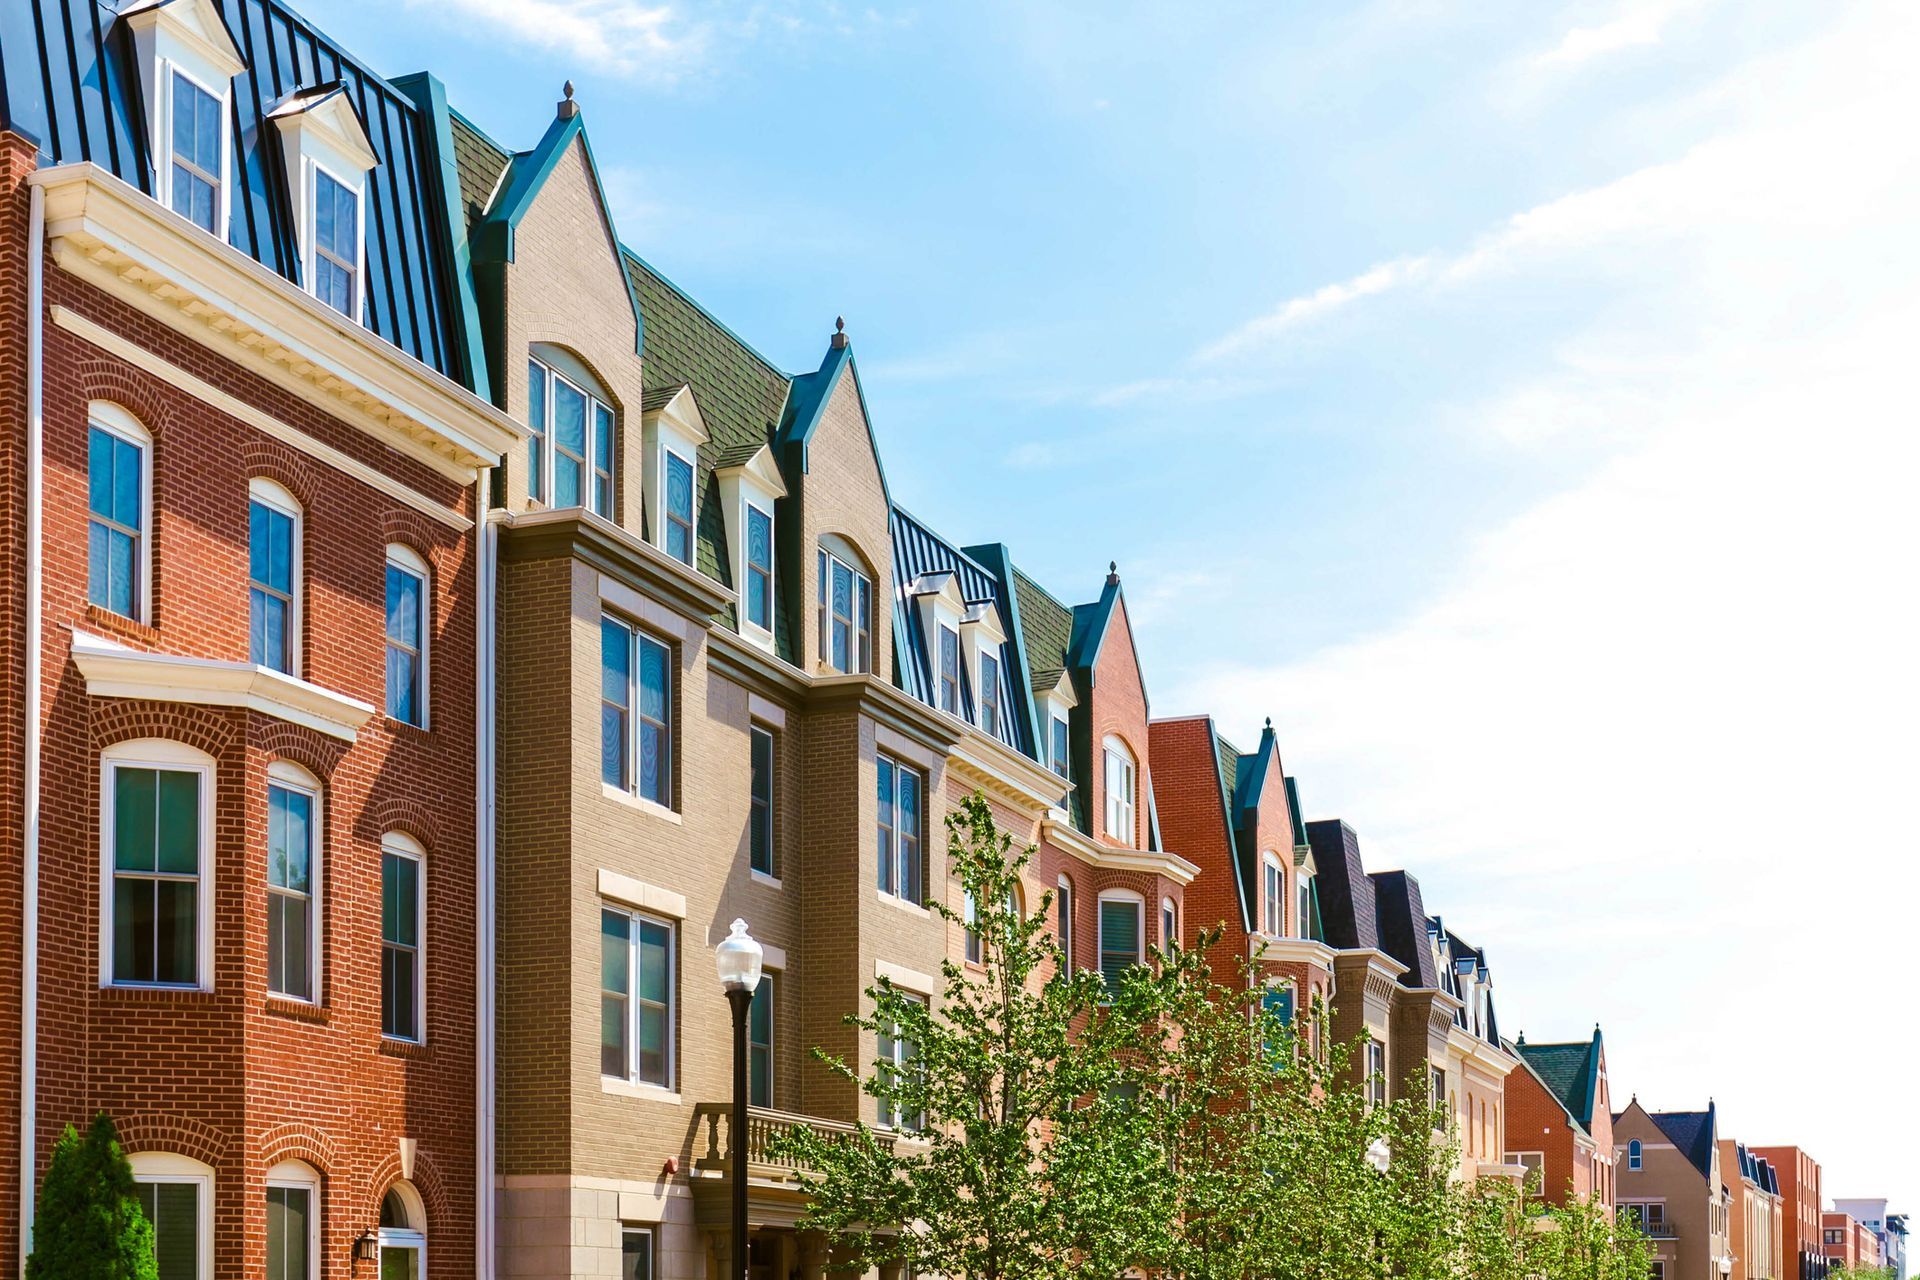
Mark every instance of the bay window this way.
pixel 1122 933
pixel 570 449
pixel 156 828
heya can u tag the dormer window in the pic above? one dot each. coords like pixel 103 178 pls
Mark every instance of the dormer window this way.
pixel 950 671
pixel 327 159
pixel 673 431
pixel 570 450
pixel 1274 881
pixel 990 715
pixel 1056 707
pixel 845 612
pixel 187 61
pixel 1060 751
pixel 750 484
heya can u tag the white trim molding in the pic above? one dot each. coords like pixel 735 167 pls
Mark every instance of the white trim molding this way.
pixel 104 231
pixel 116 671
pixel 1062 834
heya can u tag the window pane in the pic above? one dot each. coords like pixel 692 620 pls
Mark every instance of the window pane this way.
pixel 400 900
pixel 602 438
pixel 907 813
pixel 760 1045
pixel 569 419
pixel 119 570
pixel 537 421
pixel 1119 938
pixel 399 979
pixel 654 960
pixel 174 1210
pixel 403 683
pixel 566 481
pixel 886 826
pixel 650 1045
pixel 134 810
pixel 636 1255
pixel 759 568
pixel 288 1210
pixel 178 836
pixel 132 930
pixel 174 929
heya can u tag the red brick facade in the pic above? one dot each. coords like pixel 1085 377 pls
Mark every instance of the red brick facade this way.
pixel 230 1076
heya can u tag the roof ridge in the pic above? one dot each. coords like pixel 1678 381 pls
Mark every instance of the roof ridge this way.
pixel 950 544
pixel 711 318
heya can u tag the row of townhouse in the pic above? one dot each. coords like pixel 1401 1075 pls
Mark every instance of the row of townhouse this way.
pixel 425 628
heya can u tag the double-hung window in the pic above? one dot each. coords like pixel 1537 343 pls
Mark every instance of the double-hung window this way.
pixel 636 997
pixel 990 695
pixel 758 588
pixel 1063 905
pixel 1305 920
pixel 1122 937
pixel 1439 1099
pixel 970 917
pixel 293 884
pixel 1119 780
pixel 760 812
pixel 846 612
pixel 402 924
pixel 273 600
pixel 899 836
pixel 950 671
pixel 176 1194
pixel 899 1059
pixel 679 504
pixel 336 243
pixel 760 1044
pixel 195 175
pixel 1273 899
pixel 156 826
pixel 570 450
pixel 116 512
pixel 1169 925
pixel 1062 761
pixel 293 1222
pixel 406 636
pixel 1376 1073
pixel 635 718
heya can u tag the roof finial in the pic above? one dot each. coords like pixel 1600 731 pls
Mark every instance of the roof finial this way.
pixel 839 332
pixel 1113 573
pixel 1269 724
pixel 568 108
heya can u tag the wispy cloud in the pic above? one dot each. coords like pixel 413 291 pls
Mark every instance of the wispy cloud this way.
pixel 621 36
pixel 1637 23
pixel 1323 301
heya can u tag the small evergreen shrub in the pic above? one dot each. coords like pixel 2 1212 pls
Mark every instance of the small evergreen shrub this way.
pixel 90 1225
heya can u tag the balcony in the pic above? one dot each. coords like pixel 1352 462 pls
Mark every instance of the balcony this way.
pixel 776 1185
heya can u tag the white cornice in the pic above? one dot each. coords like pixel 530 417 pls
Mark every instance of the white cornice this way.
pixel 1065 835
pixel 109 234
pixel 994 767
pixel 115 671
pixel 1477 1052
pixel 1290 951
pixel 1378 961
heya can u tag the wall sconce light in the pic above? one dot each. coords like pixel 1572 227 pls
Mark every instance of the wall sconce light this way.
pixel 367 1247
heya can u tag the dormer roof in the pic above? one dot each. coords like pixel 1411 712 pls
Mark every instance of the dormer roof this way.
pixel 328 110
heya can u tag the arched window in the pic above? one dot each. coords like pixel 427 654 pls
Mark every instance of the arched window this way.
pixel 1633 1154
pixel 570 453
pixel 1063 906
pixel 176 1193
pixel 156 854
pixel 845 605
pixel 1119 792
pixel 1273 897
pixel 293 881
pixel 403 942
pixel 119 511
pixel 274 613
pixel 403 1234
pixel 1169 925
pixel 293 1221
pixel 409 615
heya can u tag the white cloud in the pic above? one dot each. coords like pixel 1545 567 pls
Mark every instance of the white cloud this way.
pixel 622 36
pixel 1264 330
pixel 1638 23
pixel 1651 740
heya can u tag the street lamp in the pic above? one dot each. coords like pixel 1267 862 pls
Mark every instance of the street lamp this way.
pixel 1379 1155
pixel 738 958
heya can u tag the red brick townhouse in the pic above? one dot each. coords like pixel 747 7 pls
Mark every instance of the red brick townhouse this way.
pixel 1235 815
pixel 243 491
pixel 1560 1118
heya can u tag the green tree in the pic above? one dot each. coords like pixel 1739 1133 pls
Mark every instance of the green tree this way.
pixel 1033 1155
pixel 89 1225
pixel 1582 1241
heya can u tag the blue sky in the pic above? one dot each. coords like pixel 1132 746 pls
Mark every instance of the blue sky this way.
pixel 1513 400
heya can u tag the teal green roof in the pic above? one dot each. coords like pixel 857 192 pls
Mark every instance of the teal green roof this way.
pixel 1571 1073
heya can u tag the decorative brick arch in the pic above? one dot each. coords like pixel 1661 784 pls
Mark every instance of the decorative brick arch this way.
pixel 398 813
pixel 297 1141
pixel 426 1180
pixel 156 1131
pixel 203 729
pixel 265 459
pixel 411 529
pixel 315 752
pixel 605 389
pixel 101 379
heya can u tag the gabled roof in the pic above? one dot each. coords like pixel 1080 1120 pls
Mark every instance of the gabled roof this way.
pixel 1693 1132
pixel 1570 1072
pixel 812 393
pixel 1293 812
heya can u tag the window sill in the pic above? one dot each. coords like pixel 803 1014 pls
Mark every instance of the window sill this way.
pixel 901 904
pixel 761 877
pixel 297 1009
pixel 635 802
pixel 393 1047
pixel 121 624
pixel 644 1092
pixel 395 724
pixel 152 992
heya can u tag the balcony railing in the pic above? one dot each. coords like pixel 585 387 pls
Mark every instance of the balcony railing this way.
pixel 713 1144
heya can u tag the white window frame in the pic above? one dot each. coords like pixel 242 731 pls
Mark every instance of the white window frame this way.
pixel 549 447
pixel 275 497
pixel 632 1064
pixel 1118 809
pixel 893 888
pixel 163 148
pixel 408 561
pixel 159 753
pixel 1635 1159
pixel 310 242
pixel 297 1175
pixel 860 621
pixel 164 1167
pixel 1169 924
pixel 403 845
pixel 412 1237
pixel 1304 894
pixel 975 944
pixel 953 704
pixel 669 799
pixel 691 460
pixel 1063 909
pixel 291 777
pixel 1060 747
pixel 885 1117
pixel 192 40
pixel 116 421
pixel 1273 891
pixel 653 1245
pixel 1139 904
pixel 749 508
pixel 1375 1060
pixel 989 695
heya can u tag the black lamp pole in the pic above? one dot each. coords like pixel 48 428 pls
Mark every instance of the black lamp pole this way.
pixel 741 999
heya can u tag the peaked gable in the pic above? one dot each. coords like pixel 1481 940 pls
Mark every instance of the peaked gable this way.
pixel 1570 1072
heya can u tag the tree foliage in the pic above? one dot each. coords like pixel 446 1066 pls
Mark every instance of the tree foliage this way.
pixel 88 1225
pixel 1173 1123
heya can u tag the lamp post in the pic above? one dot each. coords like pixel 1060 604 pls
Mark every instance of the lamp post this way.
pixel 739 958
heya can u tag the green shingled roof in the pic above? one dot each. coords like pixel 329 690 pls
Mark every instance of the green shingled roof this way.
pixel 740 394
pixel 479 163
pixel 1570 1071
pixel 1048 625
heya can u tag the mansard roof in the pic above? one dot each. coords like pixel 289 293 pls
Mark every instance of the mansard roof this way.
pixel 1349 908
pixel 69 81
pixel 1403 927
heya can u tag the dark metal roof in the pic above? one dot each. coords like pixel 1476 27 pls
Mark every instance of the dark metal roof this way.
pixel 1693 1132
pixel 1348 909
pixel 68 79
pixel 1403 927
